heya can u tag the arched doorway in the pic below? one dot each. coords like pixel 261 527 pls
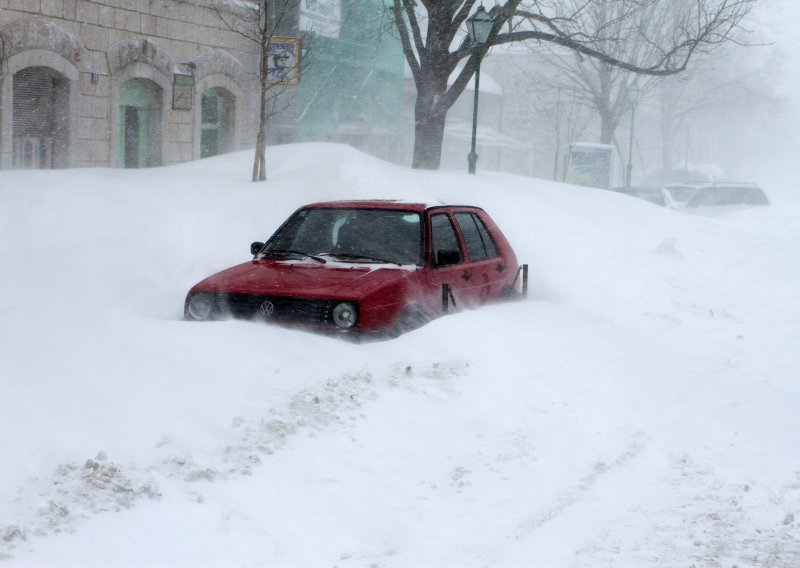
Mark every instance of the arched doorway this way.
pixel 216 122
pixel 40 110
pixel 140 119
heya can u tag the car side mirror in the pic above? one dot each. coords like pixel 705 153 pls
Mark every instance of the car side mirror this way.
pixel 256 247
pixel 446 257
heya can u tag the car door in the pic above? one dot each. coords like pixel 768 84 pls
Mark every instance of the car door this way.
pixel 446 259
pixel 484 265
pixel 486 269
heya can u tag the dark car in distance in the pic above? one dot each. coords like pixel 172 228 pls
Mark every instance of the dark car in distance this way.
pixel 365 267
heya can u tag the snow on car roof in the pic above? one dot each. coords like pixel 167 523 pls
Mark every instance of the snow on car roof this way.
pixel 381 204
pixel 712 184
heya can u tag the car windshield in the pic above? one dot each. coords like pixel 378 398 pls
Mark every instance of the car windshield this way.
pixel 680 193
pixel 353 235
pixel 651 195
pixel 717 196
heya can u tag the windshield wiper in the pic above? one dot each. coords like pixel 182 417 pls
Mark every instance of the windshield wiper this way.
pixel 285 253
pixel 361 257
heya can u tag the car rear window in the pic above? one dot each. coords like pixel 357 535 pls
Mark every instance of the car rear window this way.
pixel 480 244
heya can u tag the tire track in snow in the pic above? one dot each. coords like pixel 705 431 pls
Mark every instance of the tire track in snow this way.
pixel 74 492
pixel 708 521
pixel 334 403
pixel 58 502
pixel 574 494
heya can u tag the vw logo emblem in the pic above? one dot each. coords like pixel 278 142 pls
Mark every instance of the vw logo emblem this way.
pixel 266 308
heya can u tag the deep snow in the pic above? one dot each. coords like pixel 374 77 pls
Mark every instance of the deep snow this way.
pixel 639 409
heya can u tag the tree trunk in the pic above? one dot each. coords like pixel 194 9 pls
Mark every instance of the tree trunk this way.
pixel 607 126
pixel 428 139
pixel 260 158
pixel 667 133
pixel 430 114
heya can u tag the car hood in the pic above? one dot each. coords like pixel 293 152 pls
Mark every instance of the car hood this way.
pixel 303 279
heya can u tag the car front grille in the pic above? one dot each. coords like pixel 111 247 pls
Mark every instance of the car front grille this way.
pixel 275 308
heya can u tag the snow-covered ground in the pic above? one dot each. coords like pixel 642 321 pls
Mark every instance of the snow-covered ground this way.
pixel 639 409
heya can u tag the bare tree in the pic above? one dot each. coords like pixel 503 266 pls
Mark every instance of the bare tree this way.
pixel 727 99
pixel 601 85
pixel 431 32
pixel 262 21
pixel 568 120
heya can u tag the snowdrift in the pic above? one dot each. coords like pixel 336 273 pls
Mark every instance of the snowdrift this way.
pixel 639 409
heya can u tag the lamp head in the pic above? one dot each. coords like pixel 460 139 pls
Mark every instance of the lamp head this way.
pixel 479 26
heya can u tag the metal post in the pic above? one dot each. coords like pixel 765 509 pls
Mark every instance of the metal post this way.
pixel 630 148
pixel 525 280
pixel 472 158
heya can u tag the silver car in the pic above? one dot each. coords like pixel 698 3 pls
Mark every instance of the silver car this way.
pixel 714 197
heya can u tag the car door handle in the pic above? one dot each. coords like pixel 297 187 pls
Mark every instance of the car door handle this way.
pixel 501 267
pixel 466 275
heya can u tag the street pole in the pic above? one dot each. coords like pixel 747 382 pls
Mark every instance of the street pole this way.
pixel 479 28
pixel 634 92
pixel 472 158
pixel 630 149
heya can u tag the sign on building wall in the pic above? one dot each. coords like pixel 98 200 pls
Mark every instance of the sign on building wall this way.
pixel 590 165
pixel 323 17
pixel 283 60
pixel 182 88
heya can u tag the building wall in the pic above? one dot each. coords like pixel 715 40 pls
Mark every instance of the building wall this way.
pixel 91 47
pixel 352 88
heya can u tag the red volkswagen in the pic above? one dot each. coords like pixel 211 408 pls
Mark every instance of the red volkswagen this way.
pixel 366 266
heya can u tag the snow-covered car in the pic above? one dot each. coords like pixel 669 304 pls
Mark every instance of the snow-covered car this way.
pixel 652 194
pixel 366 266
pixel 715 197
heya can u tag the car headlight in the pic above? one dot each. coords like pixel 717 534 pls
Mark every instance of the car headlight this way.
pixel 344 315
pixel 200 306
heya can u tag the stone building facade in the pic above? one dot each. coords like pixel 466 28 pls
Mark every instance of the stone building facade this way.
pixel 122 83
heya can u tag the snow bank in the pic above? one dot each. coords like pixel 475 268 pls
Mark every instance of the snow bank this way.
pixel 639 409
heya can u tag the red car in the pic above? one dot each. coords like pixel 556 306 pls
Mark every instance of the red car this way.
pixel 366 266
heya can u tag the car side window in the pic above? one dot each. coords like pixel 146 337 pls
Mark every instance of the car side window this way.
pixel 444 241
pixel 480 245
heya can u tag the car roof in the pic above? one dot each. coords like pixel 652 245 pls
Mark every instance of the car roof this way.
pixel 713 184
pixel 636 189
pixel 395 204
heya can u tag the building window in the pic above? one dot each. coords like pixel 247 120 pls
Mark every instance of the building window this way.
pixel 40 118
pixel 140 114
pixel 216 122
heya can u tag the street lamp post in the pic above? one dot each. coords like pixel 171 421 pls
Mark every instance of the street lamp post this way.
pixel 479 26
pixel 633 97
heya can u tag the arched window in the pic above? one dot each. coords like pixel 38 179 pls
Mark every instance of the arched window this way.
pixel 140 110
pixel 40 133
pixel 216 122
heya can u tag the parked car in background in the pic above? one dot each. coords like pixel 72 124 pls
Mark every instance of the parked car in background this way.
pixel 677 195
pixel 715 197
pixel 366 267
pixel 652 194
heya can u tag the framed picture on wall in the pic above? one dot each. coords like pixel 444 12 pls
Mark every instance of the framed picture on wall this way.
pixel 283 60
